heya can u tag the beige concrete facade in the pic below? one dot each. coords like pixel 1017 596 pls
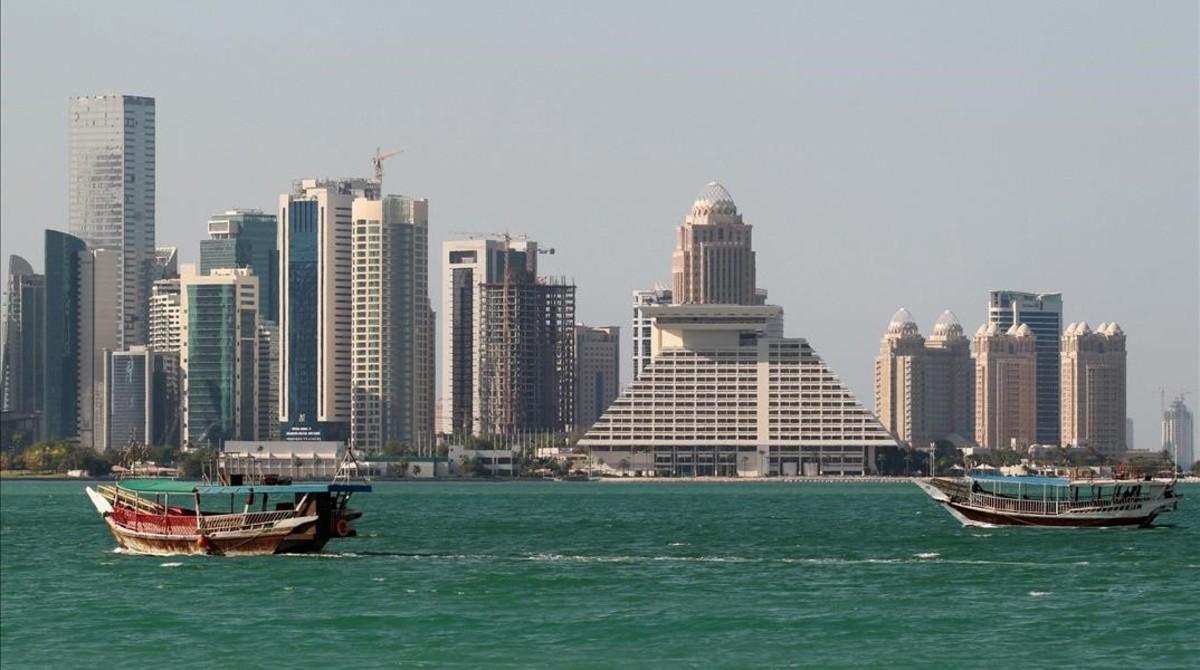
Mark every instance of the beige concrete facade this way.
pixel 1005 387
pixel 597 372
pixel 713 261
pixel 1093 387
pixel 923 387
pixel 392 397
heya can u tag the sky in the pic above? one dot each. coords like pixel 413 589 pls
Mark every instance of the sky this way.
pixel 887 154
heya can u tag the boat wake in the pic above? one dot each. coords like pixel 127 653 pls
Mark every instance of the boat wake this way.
pixel 930 554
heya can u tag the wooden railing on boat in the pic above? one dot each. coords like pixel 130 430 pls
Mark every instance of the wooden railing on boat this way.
pixel 116 495
pixel 1054 507
pixel 177 524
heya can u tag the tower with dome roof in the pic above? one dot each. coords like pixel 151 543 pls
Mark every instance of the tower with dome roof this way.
pixel 713 263
pixel 923 386
pixel 720 391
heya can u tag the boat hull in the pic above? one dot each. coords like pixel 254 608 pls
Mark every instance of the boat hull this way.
pixel 972 516
pixel 956 499
pixel 233 543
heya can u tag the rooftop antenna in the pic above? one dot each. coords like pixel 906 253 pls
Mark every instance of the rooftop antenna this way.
pixel 377 162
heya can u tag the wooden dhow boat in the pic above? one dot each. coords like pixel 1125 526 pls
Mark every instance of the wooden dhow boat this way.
pixel 996 500
pixel 166 517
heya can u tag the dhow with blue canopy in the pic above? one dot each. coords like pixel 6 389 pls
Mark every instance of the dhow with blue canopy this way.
pixel 986 499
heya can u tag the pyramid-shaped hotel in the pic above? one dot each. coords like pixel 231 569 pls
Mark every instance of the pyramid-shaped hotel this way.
pixel 725 393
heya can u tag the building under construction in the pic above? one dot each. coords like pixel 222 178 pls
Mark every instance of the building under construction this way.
pixel 527 354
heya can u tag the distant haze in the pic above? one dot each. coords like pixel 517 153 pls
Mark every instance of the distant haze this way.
pixel 887 154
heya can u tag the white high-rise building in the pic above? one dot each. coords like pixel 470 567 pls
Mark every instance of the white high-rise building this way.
pixel 316 305
pixel 100 329
pixel 1179 434
pixel 465 265
pixel 111 184
pixel 642 298
pixel 164 315
pixel 392 397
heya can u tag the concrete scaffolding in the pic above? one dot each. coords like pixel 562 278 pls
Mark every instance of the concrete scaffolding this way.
pixel 527 354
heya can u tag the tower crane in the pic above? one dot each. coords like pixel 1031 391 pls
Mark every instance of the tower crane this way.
pixel 378 159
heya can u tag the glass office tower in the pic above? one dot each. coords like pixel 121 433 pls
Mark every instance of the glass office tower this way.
pixel 111 190
pixel 61 392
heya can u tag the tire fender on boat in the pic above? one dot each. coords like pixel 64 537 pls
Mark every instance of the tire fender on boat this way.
pixel 341 527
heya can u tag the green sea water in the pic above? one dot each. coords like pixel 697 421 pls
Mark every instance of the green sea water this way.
pixel 520 575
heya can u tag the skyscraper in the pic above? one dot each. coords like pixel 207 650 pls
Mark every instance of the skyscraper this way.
pixel 99 330
pixel 1179 433
pixel 268 380
pixel 1005 382
pixel 597 372
pixel 1043 313
pixel 526 354
pixel 111 185
pixel 246 238
pixel 22 372
pixel 393 355
pixel 923 387
pixel 219 350
pixel 60 416
pixel 642 298
pixel 164 315
pixel 465 265
pixel 1093 388
pixel 316 306
pixel 129 378
pixel 724 392
pixel 713 261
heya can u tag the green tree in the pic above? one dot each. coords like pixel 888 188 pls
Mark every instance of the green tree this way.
pixel 192 463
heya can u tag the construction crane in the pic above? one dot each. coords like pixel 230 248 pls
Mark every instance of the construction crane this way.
pixel 378 159
pixel 505 237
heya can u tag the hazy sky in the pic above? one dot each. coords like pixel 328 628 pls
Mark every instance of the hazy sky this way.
pixel 887 154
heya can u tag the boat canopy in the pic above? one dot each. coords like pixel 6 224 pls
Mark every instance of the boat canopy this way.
pixel 1023 479
pixel 177 486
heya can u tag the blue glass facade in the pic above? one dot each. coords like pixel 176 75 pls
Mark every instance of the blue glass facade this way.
pixel 1043 314
pixel 255 246
pixel 127 397
pixel 302 277
pixel 61 392
pixel 221 359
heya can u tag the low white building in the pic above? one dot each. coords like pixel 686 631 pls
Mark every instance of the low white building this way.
pixel 499 462
pixel 295 460
pixel 725 394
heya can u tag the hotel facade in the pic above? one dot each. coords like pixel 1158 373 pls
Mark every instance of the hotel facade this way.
pixel 724 392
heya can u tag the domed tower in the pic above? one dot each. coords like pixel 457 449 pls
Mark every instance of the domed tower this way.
pixel 1093 387
pixel 897 375
pixel 1006 386
pixel 713 261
